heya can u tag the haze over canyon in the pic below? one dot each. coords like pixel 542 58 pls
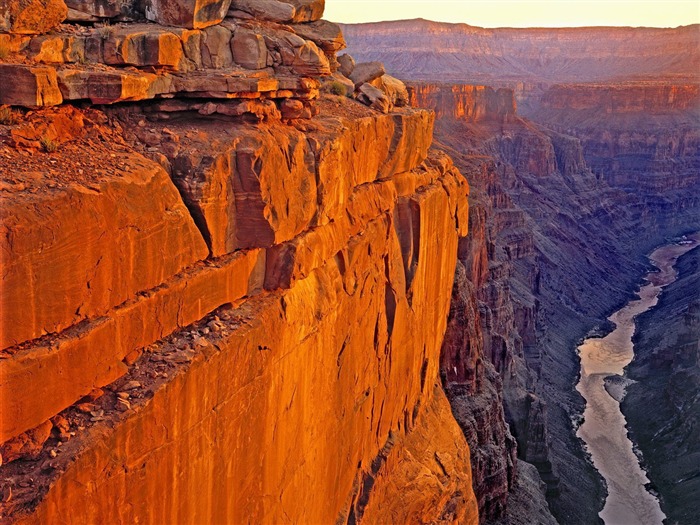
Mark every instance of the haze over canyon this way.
pixel 258 267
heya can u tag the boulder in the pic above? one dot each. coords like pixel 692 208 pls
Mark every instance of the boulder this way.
pixel 374 98
pixel 302 56
pixel 392 88
pixel 366 72
pixel 192 14
pixel 291 108
pixel 27 445
pixel 347 64
pixel 29 86
pixel 31 16
pixel 249 50
pixel 272 10
pixel 307 10
pixel 143 45
pixel 324 34
pixel 216 47
pixel 279 10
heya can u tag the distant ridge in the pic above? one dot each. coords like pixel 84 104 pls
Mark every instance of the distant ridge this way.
pixel 420 49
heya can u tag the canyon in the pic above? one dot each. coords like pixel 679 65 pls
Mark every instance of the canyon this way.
pixel 248 279
pixel 595 176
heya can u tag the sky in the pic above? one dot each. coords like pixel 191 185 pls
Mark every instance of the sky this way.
pixel 521 13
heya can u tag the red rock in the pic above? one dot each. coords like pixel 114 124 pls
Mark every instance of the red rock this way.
pixel 31 16
pixel 471 103
pixel 366 72
pixel 29 86
pixel 393 88
pixel 352 302
pixel 273 10
pixel 143 45
pixel 192 14
pixel 374 98
pixel 27 445
pixel 249 49
pixel 216 47
pixel 324 34
pixel 49 248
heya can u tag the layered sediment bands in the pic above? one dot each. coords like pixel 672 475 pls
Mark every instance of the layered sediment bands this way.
pixel 72 254
pixel 665 371
pixel 313 395
pixel 431 51
pixel 561 266
pixel 641 137
pixel 461 101
pixel 649 97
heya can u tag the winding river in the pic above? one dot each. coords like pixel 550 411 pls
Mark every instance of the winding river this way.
pixel 603 429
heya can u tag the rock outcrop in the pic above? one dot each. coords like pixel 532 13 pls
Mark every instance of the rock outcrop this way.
pixel 224 292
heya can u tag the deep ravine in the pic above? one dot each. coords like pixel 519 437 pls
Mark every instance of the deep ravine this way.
pixel 603 361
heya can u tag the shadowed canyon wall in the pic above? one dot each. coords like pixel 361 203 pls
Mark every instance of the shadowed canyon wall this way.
pixel 665 370
pixel 553 247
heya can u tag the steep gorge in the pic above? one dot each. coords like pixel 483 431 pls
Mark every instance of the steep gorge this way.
pixel 554 271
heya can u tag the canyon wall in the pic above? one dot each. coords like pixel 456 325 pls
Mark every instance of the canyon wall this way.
pixel 545 273
pixel 225 291
pixel 666 372
pixel 436 51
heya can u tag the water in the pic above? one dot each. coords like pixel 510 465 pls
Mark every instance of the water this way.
pixel 603 430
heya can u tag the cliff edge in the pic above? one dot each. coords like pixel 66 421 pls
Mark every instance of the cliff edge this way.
pixel 225 289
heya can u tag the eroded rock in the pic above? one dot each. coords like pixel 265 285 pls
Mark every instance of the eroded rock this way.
pixel 186 13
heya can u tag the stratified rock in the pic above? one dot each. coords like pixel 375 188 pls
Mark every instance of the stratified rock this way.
pixel 280 10
pixel 273 10
pixel 324 34
pixel 142 45
pixel 393 88
pixel 43 265
pixel 374 97
pixel 249 49
pixel 186 13
pixel 29 86
pixel 347 64
pixel 99 8
pixel 366 72
pixel 31 16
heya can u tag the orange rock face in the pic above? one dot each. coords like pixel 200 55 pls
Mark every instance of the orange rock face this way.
pixel 277 420
pixel 472 103
pixel 31 16
pixel 74 254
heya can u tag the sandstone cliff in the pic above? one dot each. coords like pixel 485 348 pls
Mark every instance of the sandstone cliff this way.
pixel 224 293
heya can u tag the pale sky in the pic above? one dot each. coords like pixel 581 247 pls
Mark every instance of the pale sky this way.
pixel 521 13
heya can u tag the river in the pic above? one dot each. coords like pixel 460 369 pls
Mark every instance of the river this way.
pixel 603 429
